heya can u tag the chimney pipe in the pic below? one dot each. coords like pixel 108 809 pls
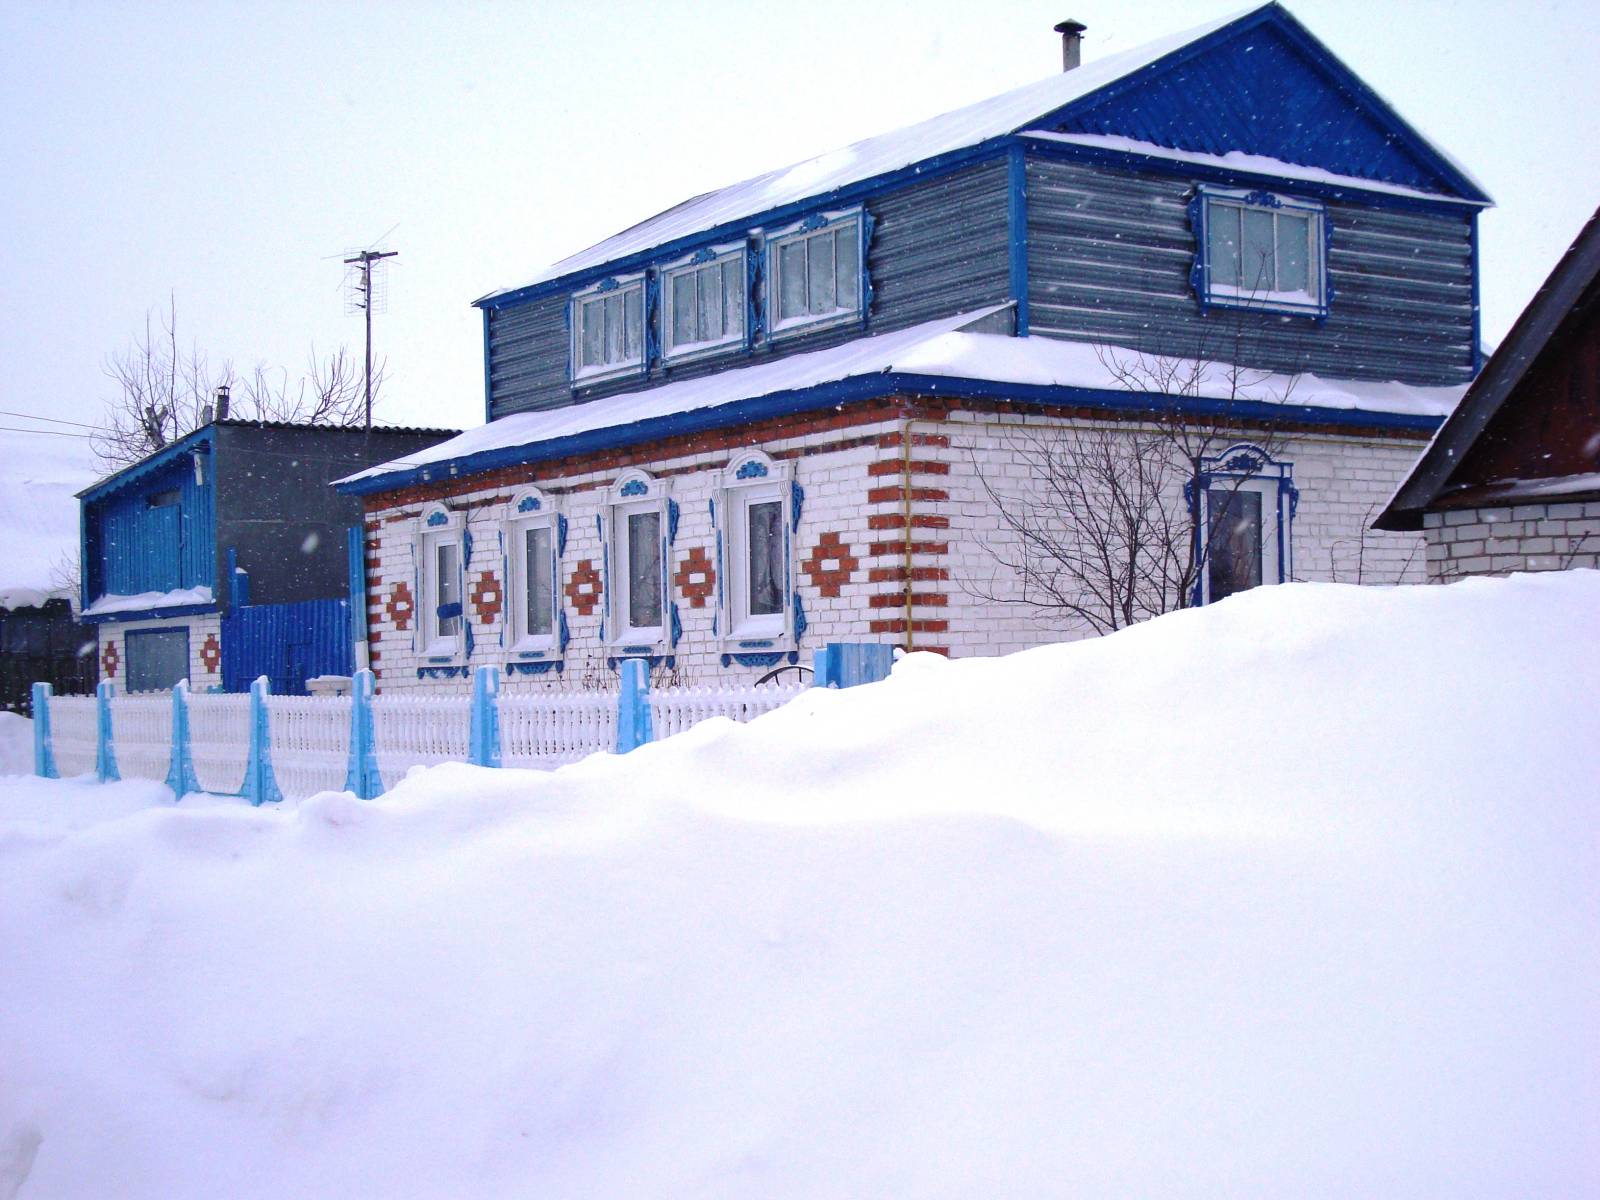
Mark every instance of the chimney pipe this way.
pixel 222 402
pixel 1071 38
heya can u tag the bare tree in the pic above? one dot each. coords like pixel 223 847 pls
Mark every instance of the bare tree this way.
pixel 165 391
pixel 1104 528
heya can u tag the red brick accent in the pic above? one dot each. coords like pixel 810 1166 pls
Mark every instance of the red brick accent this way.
pixel 831 563
pixel 918 466
pixel 583 588
pixel 898 521
pixel 891 441
pixel 899 626
pixel 893 495
pixel 488 599
pixel 402 605
pixel 211 653
pixel 108 660
pixel 898 549
pixel 696 577
pixel 916 599
pixel 899 574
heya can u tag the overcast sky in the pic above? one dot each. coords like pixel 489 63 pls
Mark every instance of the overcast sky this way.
pixel 228 154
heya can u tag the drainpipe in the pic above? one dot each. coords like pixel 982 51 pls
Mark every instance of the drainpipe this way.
pixel 905 511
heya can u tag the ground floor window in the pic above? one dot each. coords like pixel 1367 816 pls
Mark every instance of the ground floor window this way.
pixel 157 658
pixel 756 518
pixel 441 565
pixel 636 560
pixel 1245 515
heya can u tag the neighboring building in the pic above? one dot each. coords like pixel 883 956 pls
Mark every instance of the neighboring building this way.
pixel 41 640
pixel 779 414
pixel 1512 481
pixel 226 555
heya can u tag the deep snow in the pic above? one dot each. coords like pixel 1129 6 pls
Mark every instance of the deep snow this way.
pixel 1296 895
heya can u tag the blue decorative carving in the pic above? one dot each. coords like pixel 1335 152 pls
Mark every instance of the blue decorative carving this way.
pixel 754 317
pixel 608 285
pixel 1263 199
pixel 634 487
pixel 677 625
pixel 561 641
pixel 672 522
pixel 535 668
pixel 754 660
pixel 636 651
pixel 814 221
pixel 1244 462
pixel 652 302
pixel 703 255
pixel 758 644
pixel 442 672
pixel 529 504
pixel 466 550
pixel 754 469
pixel 799 618
pixel 561 535
pixel 446 611
pixel 797 501
pixel 868 221
pixel 437 518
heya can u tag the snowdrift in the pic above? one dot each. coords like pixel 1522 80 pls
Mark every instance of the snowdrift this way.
pixel 1296 895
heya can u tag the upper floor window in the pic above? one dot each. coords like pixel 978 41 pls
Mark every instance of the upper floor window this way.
pixel 704 302
pixel 1261 251
pixel 608 328
pixel 814 272
pixel 533 550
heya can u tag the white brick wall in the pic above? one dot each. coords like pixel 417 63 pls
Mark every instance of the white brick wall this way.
pixel 1522 537
pixel 853 541
pixel 200 628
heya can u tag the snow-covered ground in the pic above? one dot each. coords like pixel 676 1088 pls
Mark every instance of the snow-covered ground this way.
pixel 1298 895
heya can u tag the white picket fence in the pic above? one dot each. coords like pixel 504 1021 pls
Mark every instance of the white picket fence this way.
pixel 308 737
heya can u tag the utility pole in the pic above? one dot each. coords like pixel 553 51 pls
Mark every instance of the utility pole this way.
pixel 363 264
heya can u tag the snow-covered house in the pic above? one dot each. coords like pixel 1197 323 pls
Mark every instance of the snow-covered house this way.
pixel 787 412
pixel 225 555
pixel 1512 481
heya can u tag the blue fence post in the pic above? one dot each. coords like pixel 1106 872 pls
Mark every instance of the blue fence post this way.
pixel 105 750
pixel 181 777
pixel 362 778
pixel 260 784
pixel 44 752
pixel 633 705
pixel 825 667
pixel 483 746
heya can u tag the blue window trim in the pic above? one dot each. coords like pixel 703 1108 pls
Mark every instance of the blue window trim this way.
pixel 752 470
pixel 620 282
pixel 811 224
pixel 527 507
pixel 1240 462
pixel 636 489
pixel 1207 196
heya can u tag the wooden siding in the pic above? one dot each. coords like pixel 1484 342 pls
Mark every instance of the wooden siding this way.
pixel 1109 256
pixel 939 246
pixel 135 548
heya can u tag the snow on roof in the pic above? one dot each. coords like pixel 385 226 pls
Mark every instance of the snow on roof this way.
pixel 994 117
pixel 117 602
pixel 938 349
pixel 39 533
pixel 1238 160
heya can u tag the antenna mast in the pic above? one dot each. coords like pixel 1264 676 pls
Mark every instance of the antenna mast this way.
pixel 363 298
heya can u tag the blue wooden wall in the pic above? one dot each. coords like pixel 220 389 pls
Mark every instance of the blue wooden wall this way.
pixel 135 548
pixel 288 643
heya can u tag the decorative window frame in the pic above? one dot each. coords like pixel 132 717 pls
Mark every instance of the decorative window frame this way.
pixel 1208 197
pixel 735 252
pixel 531 508
pixel 755 640
pixel 1249 468
pixel 438 525
pixel 777 328
pixel 621 284
pixel 635 492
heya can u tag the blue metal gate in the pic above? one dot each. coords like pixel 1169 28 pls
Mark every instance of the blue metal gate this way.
pixel 288 643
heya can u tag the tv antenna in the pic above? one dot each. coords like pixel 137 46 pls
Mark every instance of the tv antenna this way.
pixel 368 293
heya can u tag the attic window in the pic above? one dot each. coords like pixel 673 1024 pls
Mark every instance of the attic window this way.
pixel 704 299
pixel 815 272
pixel 608 328
pixel 1260 251
pixel 167 499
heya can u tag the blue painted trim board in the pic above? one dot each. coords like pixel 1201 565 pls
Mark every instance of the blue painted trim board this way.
pixel 1477 305
pixel 260 784
pixel 105 753
pixel 633 705
pixel 483 738
pixel 205 436
pixel 44 753
pixel 148 614
pixel 362 777
pixel 873 387
pixel 1017 231
pixel 180 772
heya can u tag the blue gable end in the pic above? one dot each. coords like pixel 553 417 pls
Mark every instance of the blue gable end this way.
pixel 1264 85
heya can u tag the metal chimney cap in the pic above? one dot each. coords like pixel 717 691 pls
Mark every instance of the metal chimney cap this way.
pixel 1070 27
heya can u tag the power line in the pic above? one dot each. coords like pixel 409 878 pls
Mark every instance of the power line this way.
pixel 48 432
pixel 53 420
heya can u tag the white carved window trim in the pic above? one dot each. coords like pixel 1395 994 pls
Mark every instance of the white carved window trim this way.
pixel 585 305
pixel 714 256
pixel 753 478
pixel 815 227
pixel 634 493
pixel 434 644
pixel 531 508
